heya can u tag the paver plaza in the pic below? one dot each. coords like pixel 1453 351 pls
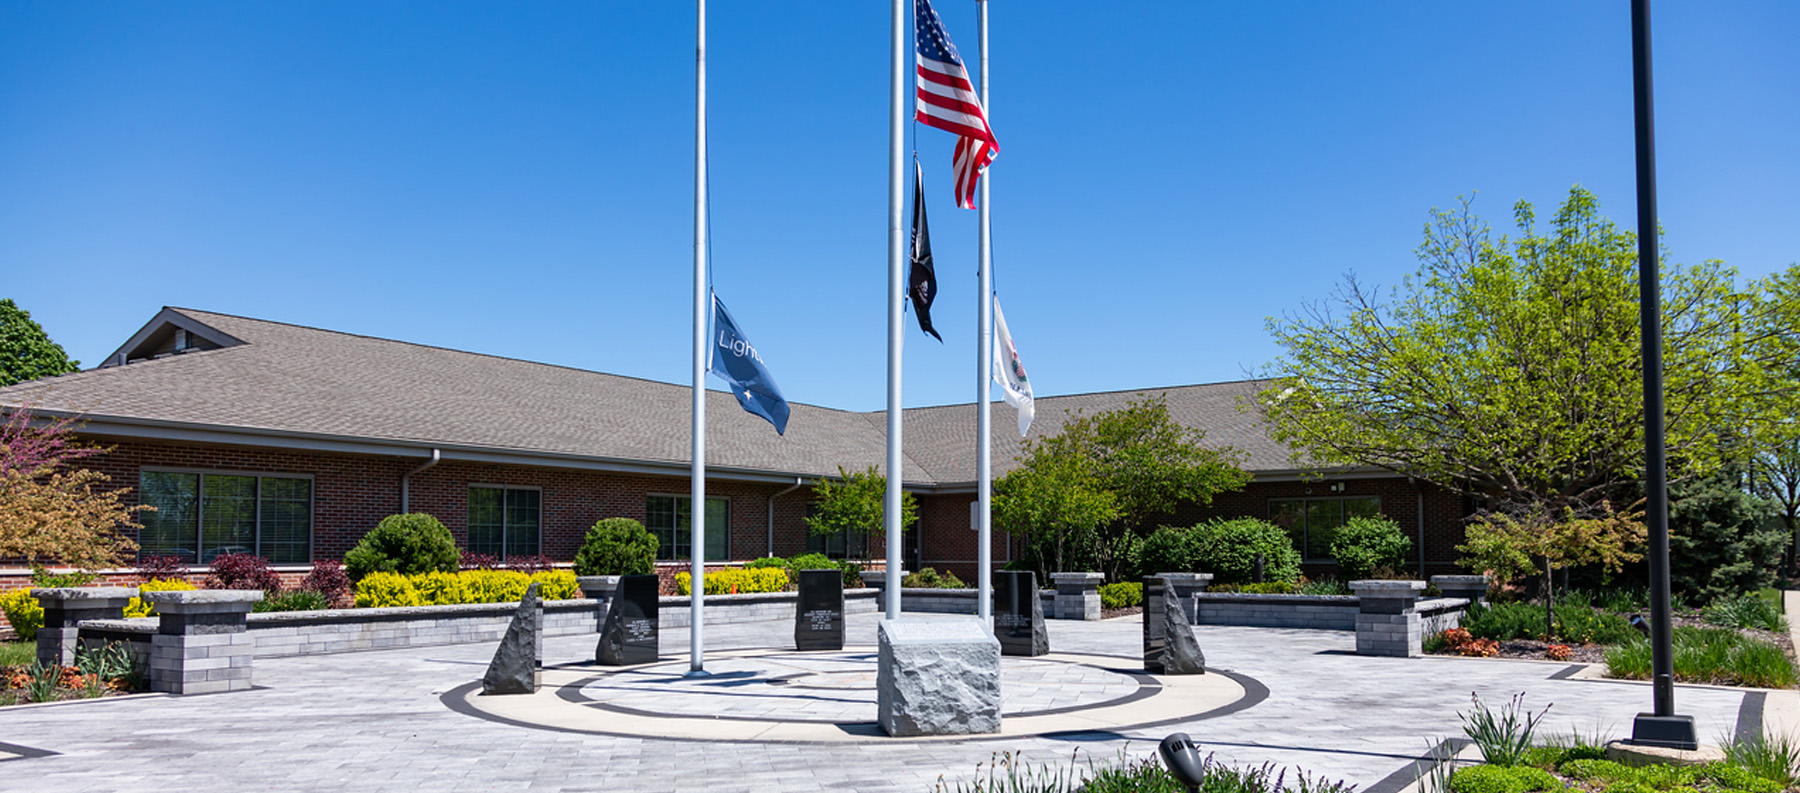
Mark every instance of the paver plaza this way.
pixel 390 720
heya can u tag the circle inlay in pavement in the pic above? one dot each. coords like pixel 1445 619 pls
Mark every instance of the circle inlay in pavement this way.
pixel 785 696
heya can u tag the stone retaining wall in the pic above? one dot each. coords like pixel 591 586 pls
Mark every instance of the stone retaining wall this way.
pixel 1320 612
pixel 1441 614
pixel 961 601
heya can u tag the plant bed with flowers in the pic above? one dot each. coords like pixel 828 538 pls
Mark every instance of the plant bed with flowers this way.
pixel 103 672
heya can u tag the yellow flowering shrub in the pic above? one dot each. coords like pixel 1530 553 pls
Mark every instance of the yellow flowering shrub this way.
pixel 557 585
pixel 495 586
pixel 381 590
pixel 741 581
pixel 138 608
pixel 442 589
pixel 23 611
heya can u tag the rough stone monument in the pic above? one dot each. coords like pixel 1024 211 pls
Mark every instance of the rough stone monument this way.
pixel 819 611
pixel 1019 614
pixel 514 669
pixel 938 677
pixel 630 634
pixel 1169 644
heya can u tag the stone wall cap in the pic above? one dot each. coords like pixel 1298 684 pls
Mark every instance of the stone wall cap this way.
pixel 200 597
pixel 957 630
pixel 586 580
pixel 1380 587
pixel 1059 577
pixel 1440 580
pixel 66 593
pixel 1186 578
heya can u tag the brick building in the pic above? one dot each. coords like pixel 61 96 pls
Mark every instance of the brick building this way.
pixel 291 442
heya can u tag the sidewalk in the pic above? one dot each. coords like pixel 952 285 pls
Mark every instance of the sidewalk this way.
pixel 379 721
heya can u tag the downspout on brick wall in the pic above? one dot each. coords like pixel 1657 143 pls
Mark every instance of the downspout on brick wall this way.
pixel 770 551
pixel 406 481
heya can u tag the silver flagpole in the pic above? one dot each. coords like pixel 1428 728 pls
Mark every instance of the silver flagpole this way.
pixel 702 310
pixel 984 365
pixel 890 522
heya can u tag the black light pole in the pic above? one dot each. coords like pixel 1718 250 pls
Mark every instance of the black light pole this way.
pixel 1660 727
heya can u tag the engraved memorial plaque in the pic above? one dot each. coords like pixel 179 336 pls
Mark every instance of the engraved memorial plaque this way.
pixel 1019 614
pixel 819 610
pixel 630 635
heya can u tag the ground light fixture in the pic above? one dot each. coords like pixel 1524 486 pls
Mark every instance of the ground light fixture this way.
pixel 1182 759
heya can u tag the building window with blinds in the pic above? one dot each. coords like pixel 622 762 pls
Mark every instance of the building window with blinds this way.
pixel 670 519
pixel 505 522
pixel 202 515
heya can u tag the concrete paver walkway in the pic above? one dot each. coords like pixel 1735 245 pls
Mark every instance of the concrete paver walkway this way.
pixel 380 721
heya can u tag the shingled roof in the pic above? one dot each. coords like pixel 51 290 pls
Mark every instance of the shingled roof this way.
pixel 245 380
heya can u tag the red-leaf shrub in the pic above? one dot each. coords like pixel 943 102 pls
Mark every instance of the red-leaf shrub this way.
pixel 1557 652
pixel 530 564
pixel 161 568
pixel 328 579
pixel 477 561
pixel 242 571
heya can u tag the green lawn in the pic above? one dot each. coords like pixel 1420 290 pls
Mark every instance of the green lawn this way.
pixel 17 653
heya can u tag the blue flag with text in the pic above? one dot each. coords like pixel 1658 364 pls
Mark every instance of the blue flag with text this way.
pixel 735 360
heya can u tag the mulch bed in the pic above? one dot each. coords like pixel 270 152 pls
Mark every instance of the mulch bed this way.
pixel 1533 649
pixel 1107 614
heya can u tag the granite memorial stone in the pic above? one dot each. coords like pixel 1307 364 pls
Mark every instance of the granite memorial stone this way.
pixel 514 669
pixel 630 636
pixel 937 677
pixel 1169 644
pixel 819 611
pixel 1019 614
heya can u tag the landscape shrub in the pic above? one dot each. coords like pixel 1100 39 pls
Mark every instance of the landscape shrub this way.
pixel 328 579
pixel 491 586
pixel 617 546
pixel 767 561
pixel 1264 588
pixel 438 588
pixel 242 571
pixel 1169 549
pixel 1365 544
pixel 1721 541
pixel 24 612
pixel 161 567
pixel 42 578
pixel 851 571
pixel 476 561
pixel 741 581
pixel 930 578
pixel 1589 626
pixel 137 607
pixel 1124 594
pixel 535 563
pixel 385 590
pixel 1574 622
pixel 406 544
pixel 556 585
pixel 297 600
pixel 1503 621
pixel 1228 549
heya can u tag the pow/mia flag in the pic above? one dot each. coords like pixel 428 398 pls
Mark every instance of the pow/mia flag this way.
pixel 921 279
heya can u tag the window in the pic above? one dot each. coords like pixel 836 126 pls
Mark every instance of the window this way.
pixel 842 545
pixel 504 522
pixel 669 518
pixel 199 516
pixel 1313 522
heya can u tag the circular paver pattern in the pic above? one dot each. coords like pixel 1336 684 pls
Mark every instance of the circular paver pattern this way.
pixel 829 697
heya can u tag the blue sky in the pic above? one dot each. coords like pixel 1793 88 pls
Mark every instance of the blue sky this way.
pixel 516 179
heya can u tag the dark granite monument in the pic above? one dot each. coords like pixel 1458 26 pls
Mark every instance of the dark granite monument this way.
pixel 1019 614
pixel 630 634
pixel 1169 644
pixel 514 669
pixel 819 610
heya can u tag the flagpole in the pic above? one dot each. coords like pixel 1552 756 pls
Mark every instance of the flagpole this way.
pixel 890 522
pixel 702 308
pixel 984 367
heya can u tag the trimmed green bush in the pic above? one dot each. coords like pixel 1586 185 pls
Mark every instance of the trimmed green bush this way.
pixel 851 571
pixel 737 580
pixel 297 600
pixel 930 578
pixel 617 546
pixel 1169 549
pixel 1124 594
pixel 1364 544
pixel 23 611
pixel 405 544
pixel 1228 549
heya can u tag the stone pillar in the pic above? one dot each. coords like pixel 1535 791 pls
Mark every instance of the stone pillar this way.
pixel 1077 595
pixel 1472 588
pixel 1388 620
pixel 1187 585
pixel 201 645
pixel 65 607
pixel 600 589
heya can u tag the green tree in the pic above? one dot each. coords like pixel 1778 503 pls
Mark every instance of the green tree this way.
pixel 1720 540
pixel 856 504
pixel 1509 546
pixel 1510 368
pixel 1109 474
pixel 26 352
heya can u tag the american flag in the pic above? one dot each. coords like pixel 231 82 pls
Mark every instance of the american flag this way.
pixel 947 100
